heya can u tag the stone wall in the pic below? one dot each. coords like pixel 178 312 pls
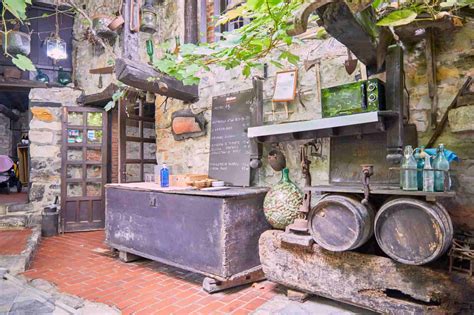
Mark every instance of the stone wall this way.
pixel 5 135
pixel 454 60
pixel 45 137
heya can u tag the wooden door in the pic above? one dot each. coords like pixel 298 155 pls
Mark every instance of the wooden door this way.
pixel 84 169
pixel 137 140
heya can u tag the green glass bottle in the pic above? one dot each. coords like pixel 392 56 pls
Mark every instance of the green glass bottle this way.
pixel 64 78
pixel 42 77
pixel 282 202
pixel 441 166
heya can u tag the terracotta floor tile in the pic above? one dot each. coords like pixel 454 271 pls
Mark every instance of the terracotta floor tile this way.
pixel 73 263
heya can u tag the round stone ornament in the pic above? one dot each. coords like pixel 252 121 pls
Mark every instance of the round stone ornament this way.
pixel 282 202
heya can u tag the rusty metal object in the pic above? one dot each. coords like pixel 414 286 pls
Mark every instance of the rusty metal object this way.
pixel 300 23
pixel 350 64
pixel 461 255
pixel 277 160
pixel 367 171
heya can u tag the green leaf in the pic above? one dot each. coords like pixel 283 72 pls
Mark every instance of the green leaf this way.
pixel 277 64
pixel 255 4
pixel 322 34
pixel 17 7
pixel 23 63
pixel 246 71
pixel 109 106
pixel 397 18
pixel 293 59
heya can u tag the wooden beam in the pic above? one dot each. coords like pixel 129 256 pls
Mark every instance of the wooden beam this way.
pixel 191 31
pixel 8 112
pixel 98 99
pixel 138 75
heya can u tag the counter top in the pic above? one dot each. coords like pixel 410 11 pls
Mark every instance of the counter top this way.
pixel 153 187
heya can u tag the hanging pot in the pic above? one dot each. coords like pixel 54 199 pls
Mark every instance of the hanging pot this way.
pixel 18 43
pixel 116 23
pixel 100 24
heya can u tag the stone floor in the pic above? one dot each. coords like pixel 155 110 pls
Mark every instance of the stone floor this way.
pixel 80 264
pixel 19 296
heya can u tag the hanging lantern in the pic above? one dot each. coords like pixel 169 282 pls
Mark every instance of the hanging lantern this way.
pixel 149 18
pixel 56 48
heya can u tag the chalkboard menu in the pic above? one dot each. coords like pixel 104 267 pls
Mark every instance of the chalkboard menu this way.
pixel 230 147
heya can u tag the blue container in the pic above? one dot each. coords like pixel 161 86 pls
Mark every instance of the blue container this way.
pixel 164 176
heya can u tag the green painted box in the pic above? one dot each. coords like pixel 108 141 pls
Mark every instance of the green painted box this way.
pixel 353 98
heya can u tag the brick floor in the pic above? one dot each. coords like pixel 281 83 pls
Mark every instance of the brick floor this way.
pixel 79 264
pixel 13 242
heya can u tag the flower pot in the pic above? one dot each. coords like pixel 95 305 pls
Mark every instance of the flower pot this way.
pixel 100 24
pixel 18 43
pixel 116 23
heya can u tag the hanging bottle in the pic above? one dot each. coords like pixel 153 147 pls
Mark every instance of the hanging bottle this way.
pixel 428 175
pixel 410 181
pixel 441 166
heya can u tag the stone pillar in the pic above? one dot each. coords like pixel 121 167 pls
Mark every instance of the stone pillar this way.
pixel 5 136
pixel 47 106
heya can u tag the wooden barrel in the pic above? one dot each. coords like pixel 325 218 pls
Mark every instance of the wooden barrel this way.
pixel 339 222
pixel 412 231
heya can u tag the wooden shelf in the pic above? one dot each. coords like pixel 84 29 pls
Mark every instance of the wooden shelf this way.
pixel 358 124
pixel 380 190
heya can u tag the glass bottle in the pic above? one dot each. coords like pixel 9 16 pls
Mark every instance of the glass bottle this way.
pixel 282 203
pixel 441 166
pixel 428 175
pixel 410 181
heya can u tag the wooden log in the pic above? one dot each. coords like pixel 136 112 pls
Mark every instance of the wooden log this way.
pixel 373 282
pixel 8 112
pixel 98 99
pixel 144 77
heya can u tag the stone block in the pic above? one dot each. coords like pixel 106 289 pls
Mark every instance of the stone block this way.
pixel 44 151
pixel 38 124
pixel 41 137
pixel 462 119
pixel 42 114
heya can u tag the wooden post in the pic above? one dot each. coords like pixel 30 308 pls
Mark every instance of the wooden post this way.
pixel 191 30
pixel 431 74
pixel 130 42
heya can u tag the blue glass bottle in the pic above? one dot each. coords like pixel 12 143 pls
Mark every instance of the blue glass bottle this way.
pixel 164 176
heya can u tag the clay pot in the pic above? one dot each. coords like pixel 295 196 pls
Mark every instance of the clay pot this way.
pixel 100 24
pixel 277 160
pixel 116 23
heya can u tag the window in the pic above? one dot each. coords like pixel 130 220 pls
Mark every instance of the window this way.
pixel 212 8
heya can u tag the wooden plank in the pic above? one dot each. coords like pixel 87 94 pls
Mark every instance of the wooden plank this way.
pixel 103 70
pixel 378 190
pixel 8 112
pixel 373 282
pixel 138 75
